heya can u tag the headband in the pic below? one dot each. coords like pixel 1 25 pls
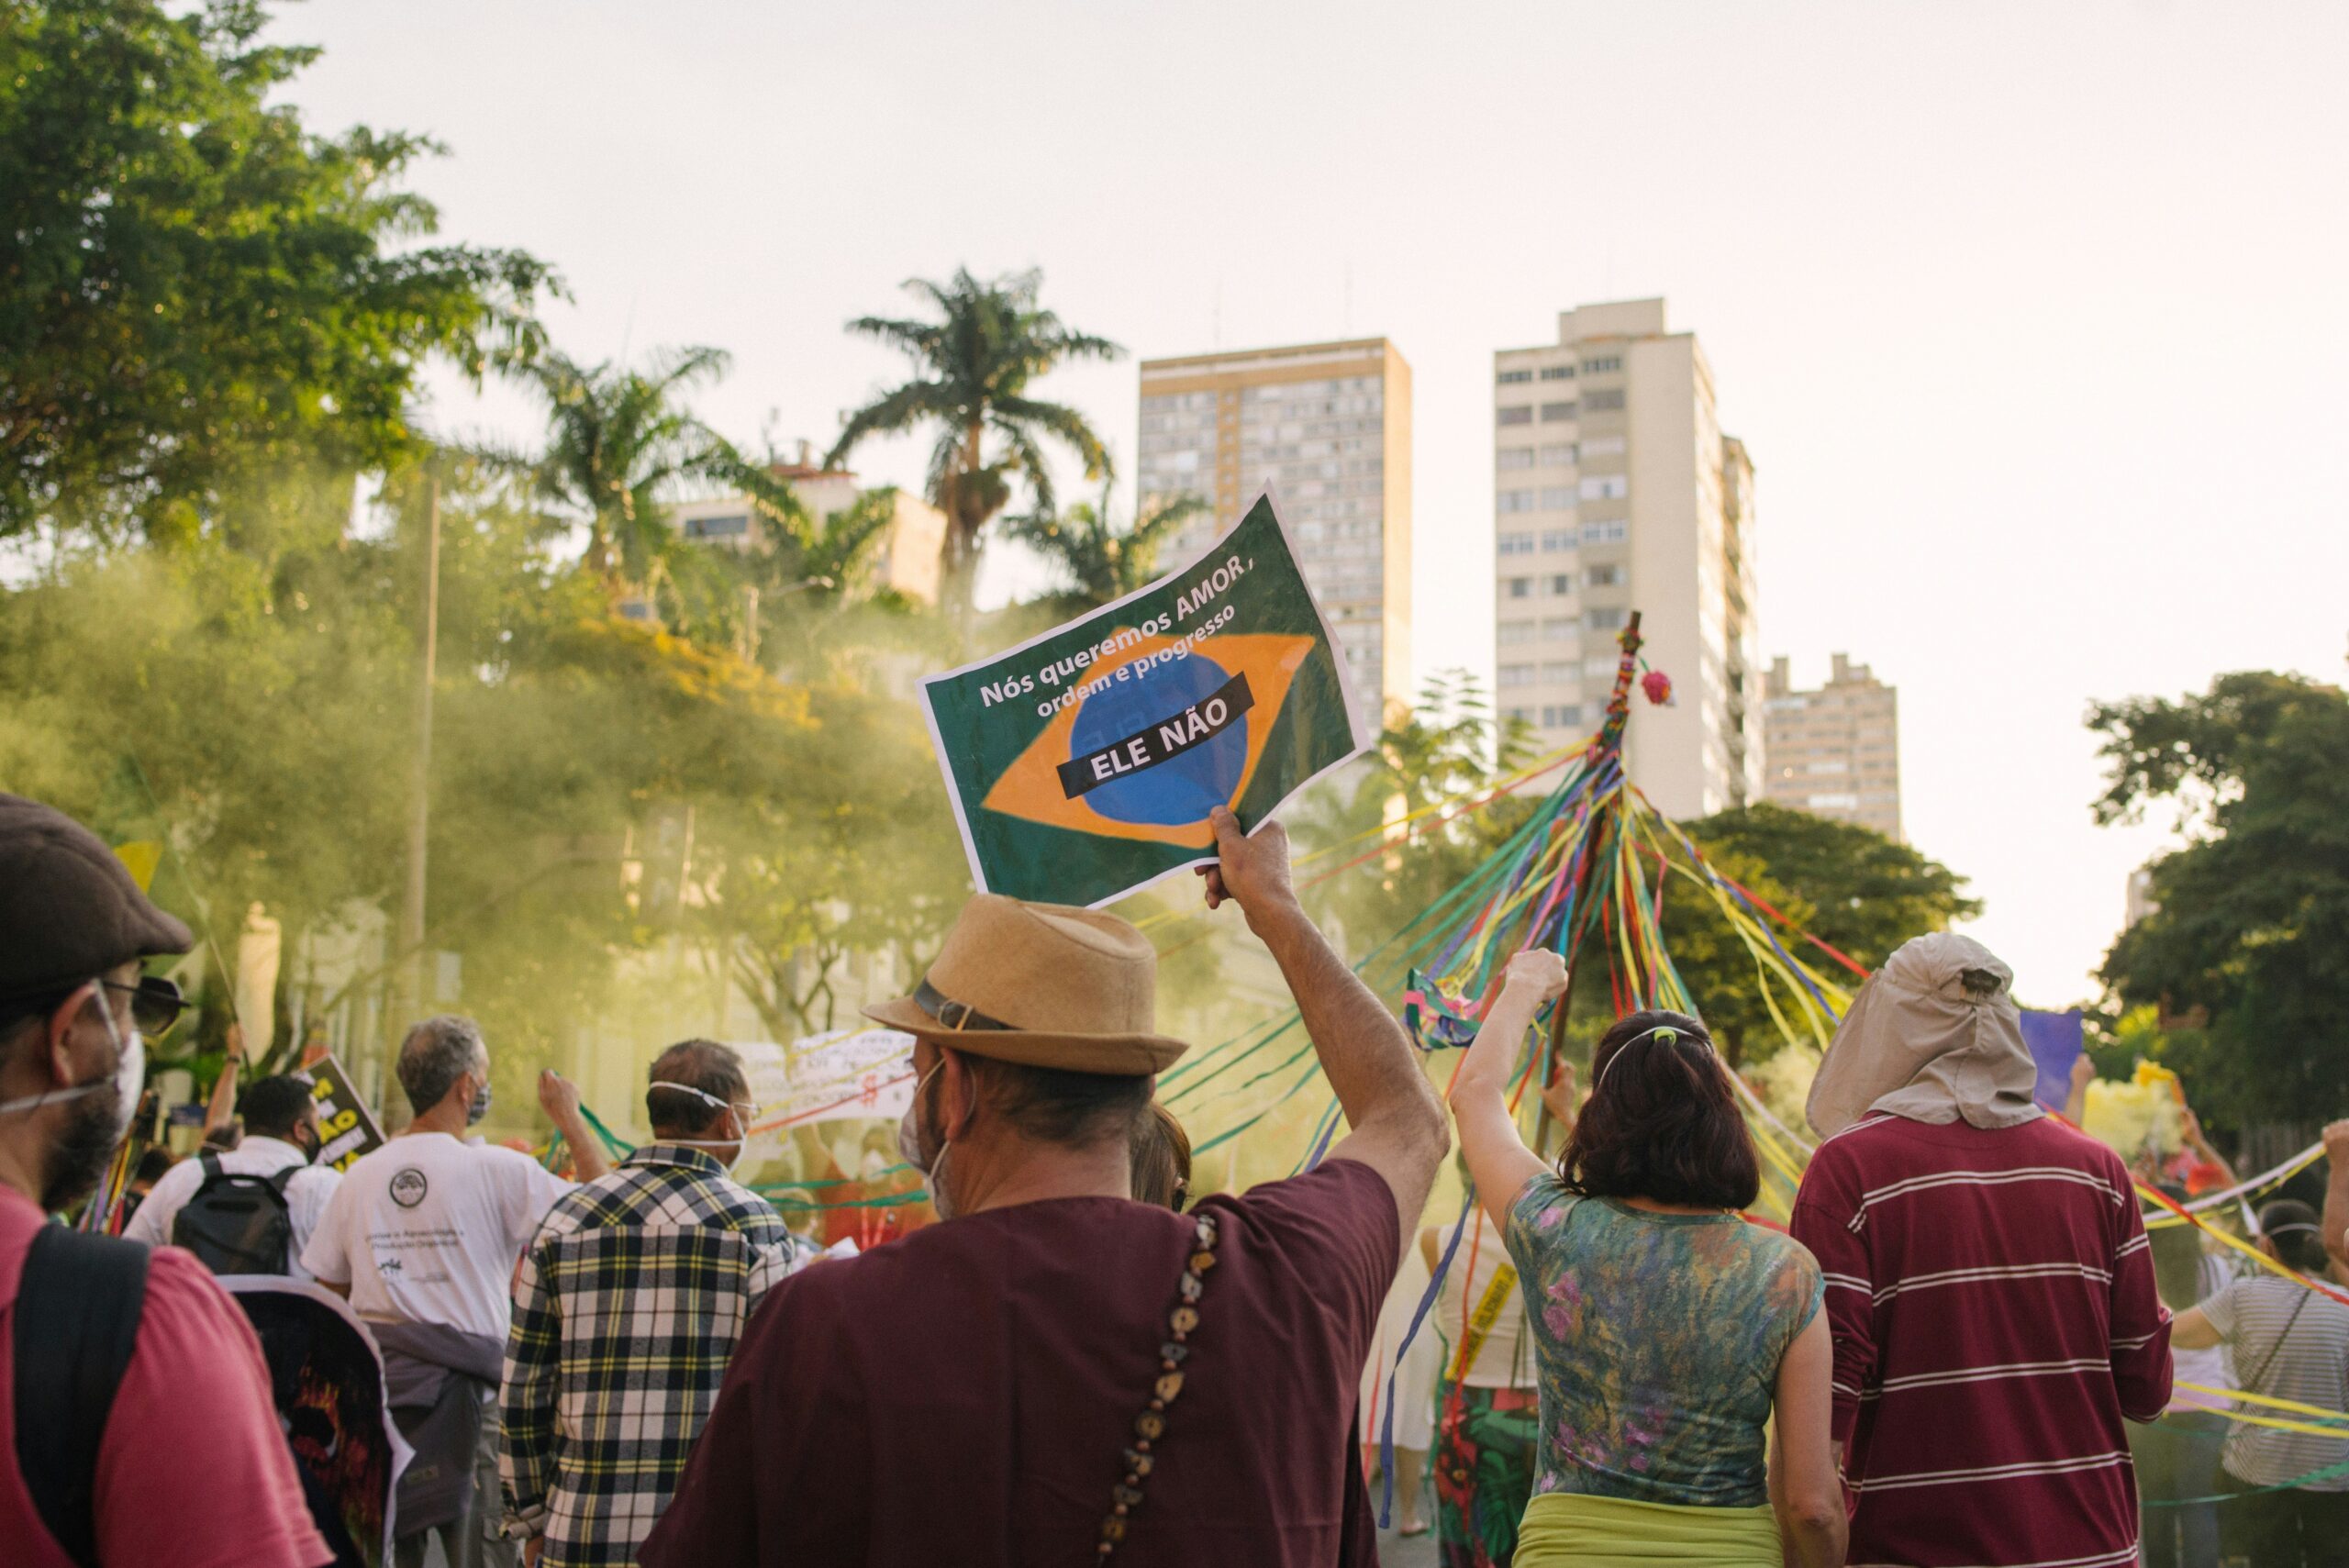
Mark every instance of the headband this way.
pixel 1671 1033
pixel 2297 1225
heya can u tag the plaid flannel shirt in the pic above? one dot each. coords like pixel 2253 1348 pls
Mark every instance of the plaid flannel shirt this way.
pixel 627 1310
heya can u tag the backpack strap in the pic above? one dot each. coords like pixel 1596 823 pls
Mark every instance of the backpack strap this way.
pixel 279 1181
pixel 76 1323
pixel 211 1163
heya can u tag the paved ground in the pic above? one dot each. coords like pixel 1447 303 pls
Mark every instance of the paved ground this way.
pixel 1393 1552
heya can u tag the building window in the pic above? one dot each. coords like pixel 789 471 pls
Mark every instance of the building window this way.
pixel 1522 414
pixel 1514 501
pixel 1516 544
pixel 1514 457
pixel 1514 675
pixel 1512 632
pixel 1607 620
pixel 1560 716
pixel 1557 373
pixel 1606 366
pixel 1553 412
pixel 1517 715
pixel 1559 455
pixel 1559 629
pixel 1558 498
pixel 1557 538
pixel 1520 587
pixel 1557 670
pixel 1511 378
pixel 1602 400
pixel 1603 446
pixel 1605 487
pixel 733 526
pixel 1562 583
pixel 1608 576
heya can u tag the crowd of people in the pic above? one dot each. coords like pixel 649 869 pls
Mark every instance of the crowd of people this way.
pixel 1967 1347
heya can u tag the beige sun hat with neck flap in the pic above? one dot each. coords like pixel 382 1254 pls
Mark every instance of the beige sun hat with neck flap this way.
pixel 1044 985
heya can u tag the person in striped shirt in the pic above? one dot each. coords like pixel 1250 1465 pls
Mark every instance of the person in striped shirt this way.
pixel 2289 1507
pixel 1988 1280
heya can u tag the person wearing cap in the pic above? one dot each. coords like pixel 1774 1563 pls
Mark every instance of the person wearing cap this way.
pixel 627 1307
pixel 423 1236
pixel 108 1480
pixel 1057 1371
pixel 1989 1283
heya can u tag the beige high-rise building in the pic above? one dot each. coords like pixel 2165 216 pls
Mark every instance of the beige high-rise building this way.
pixel 1615 490
pixel 1835 751
pixel 1328 425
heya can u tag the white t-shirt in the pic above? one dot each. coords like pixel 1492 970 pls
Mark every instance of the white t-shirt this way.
pixel 306 1192
pixel 428 1229
pixel 1505 1360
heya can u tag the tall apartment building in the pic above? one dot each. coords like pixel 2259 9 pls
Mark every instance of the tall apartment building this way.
pixel 1835 751
pixel 1615 490
pixel 1328 425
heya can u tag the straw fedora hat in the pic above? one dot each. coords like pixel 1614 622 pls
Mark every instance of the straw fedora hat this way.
pixel 1043 984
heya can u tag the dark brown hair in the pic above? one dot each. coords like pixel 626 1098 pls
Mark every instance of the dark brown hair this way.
pixel 2302 1246
pixel 1662 1123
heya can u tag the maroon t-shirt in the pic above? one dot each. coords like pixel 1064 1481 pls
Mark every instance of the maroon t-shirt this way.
pixel 963 1396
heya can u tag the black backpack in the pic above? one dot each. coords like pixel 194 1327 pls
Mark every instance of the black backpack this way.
pixel 238 1225
pixel 78 1306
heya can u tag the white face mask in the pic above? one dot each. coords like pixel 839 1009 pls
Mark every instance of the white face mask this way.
pixel 128 1077
pixel 745 1113
pixel 933 1172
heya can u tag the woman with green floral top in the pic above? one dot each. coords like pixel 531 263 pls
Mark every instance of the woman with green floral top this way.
pixel 1668 1329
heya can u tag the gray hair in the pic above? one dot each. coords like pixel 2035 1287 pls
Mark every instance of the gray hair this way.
pixel 436 1053
pixel 716 1070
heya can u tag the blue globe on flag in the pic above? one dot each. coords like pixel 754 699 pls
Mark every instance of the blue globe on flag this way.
pixel 1183 787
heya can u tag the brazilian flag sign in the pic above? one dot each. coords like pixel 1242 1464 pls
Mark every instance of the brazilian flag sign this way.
pixel 1083 763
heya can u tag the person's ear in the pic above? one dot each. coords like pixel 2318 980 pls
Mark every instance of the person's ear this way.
pixel 958 1095
pixel 57 1039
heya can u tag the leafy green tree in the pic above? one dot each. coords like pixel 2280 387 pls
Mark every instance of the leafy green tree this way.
pixel 620 443
pixel 972 369
pixel 1867 893
pixel 1100 562
pixel 195 291
pixel 1848 886
pixel 1445 748
pixel 2251 938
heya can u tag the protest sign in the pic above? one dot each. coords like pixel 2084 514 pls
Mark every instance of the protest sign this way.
pixel 347 1128
pixel 1082 764
pixel 2055 1040
pixel 852 1074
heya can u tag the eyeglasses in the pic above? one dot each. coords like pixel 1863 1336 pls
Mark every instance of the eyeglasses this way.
pixel 156 1004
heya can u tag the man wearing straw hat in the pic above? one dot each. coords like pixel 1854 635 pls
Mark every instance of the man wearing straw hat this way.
pixel 1060 1372
pixel 1988 1282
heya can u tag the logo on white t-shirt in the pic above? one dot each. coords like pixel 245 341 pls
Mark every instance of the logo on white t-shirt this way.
pixel 408 1187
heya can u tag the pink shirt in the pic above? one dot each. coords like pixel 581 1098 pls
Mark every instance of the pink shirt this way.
pixel 196 1386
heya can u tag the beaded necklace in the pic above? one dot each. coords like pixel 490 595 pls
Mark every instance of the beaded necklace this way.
pixel 1150 1425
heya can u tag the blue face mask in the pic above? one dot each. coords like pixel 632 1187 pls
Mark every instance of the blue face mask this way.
pixel 480 1107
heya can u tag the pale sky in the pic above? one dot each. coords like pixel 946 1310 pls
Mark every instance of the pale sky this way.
pixel 2032 316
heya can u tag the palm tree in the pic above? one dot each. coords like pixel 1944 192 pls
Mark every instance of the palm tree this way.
pixel 972 369
pixel 620 440
pixel 1101 561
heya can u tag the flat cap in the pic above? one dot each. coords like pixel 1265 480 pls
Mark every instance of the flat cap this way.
pixel 68 909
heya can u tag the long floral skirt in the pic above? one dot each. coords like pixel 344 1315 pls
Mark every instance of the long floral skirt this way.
pixel 1484 1472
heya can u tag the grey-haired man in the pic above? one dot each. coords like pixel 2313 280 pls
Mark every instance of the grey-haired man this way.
pixel 423 1236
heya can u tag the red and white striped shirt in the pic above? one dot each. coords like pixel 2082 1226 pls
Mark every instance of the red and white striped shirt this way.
pixel 1995 1319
